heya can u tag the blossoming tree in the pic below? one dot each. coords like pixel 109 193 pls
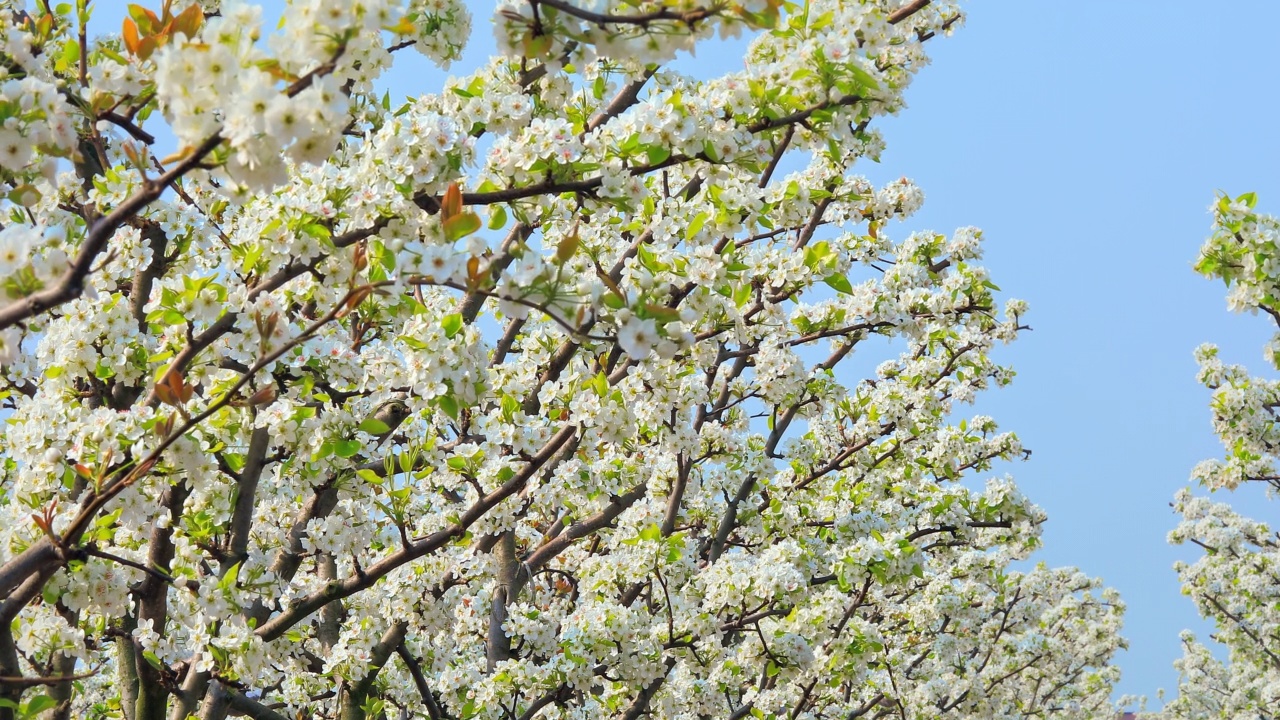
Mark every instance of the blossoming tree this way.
pixel 552 394
pixel 1236 584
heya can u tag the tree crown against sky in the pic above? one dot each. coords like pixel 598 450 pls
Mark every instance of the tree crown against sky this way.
pixel 546 393
pixel 1236 582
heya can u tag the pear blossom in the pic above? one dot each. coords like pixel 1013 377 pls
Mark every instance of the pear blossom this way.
pixel 1233 584
pixel 643 462
pixel 635 336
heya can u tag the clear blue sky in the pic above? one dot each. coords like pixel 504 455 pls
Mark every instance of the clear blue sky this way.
pixel 1087 139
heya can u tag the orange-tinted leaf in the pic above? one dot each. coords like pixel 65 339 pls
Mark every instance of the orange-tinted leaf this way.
pixel 567 247
pixel 172 390
pixel 146 47
pixel 609 283
pixel 181 154
pixel 163 429
pixel 265 396
pixel 165 395
pixel 186 391
pixel 147 21
pixel 135 157
pixel 356 297
pixel 188 21
pixel 130 35
pixel 451 205
pixel 142 469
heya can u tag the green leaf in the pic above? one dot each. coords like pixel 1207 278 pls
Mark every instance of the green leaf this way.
pixel 657 154
pixel 449 404
pixel 452 325
pixel 840 283
pixel 675 551
pixel 509 407
pixel 346 448
pixel 412 342
pixel 497 217
pixel 103 371
pixel 818 255
pixel 251 256
pixel 695 225
pixel 228 580
pixel 316 230
pixel 864 78
pixel 462 225
pixel 650 532
pixel 374 426
pixel 40 703
pixel 152 659
pixel 369 476
pixel 600 383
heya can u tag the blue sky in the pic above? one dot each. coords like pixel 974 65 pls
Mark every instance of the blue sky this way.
pixel 1087 139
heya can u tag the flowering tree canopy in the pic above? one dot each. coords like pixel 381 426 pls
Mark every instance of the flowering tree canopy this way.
pixel 1236 584
pixel 553 394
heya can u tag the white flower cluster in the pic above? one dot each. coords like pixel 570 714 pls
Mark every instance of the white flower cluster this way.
pixel 1235 583
pixel 553 393
pixel 36 127
pixel 214 84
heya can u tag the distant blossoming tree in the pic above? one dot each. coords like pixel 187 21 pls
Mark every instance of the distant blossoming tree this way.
pixel 548 395
pixel 1236 584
